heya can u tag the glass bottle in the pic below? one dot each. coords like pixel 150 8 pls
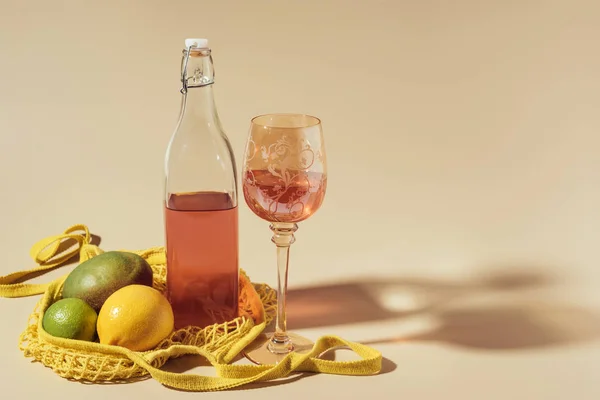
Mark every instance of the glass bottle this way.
pixel 200 202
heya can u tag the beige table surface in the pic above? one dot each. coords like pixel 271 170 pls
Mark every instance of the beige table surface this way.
pixel 459 235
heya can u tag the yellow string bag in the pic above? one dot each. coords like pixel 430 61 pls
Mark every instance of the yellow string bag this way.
pixel 219 343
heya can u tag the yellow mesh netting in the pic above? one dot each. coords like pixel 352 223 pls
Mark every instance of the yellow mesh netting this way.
pixel 219 343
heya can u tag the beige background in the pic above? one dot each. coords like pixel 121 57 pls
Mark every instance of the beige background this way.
pixel 463 204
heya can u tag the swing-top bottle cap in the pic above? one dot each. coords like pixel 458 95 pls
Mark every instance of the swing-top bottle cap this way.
pixel 199 43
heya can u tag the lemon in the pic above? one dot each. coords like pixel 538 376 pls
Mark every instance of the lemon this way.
pixel 70 319
pixel 137 317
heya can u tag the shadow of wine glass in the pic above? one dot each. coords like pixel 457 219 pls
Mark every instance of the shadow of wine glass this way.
pixel 518 323
pixel 510 327
pixel 370 300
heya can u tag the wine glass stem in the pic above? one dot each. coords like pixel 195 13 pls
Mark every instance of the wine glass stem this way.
pixel 283 237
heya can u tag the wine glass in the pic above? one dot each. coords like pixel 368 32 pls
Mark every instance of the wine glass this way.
pixel 284 182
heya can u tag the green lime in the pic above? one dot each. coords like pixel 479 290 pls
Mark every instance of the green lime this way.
pixel 72 319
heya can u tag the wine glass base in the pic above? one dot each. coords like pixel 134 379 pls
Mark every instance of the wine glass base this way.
pixel 259 353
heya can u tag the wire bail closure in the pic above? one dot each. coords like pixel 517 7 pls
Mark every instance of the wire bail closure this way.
pixel 185 78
